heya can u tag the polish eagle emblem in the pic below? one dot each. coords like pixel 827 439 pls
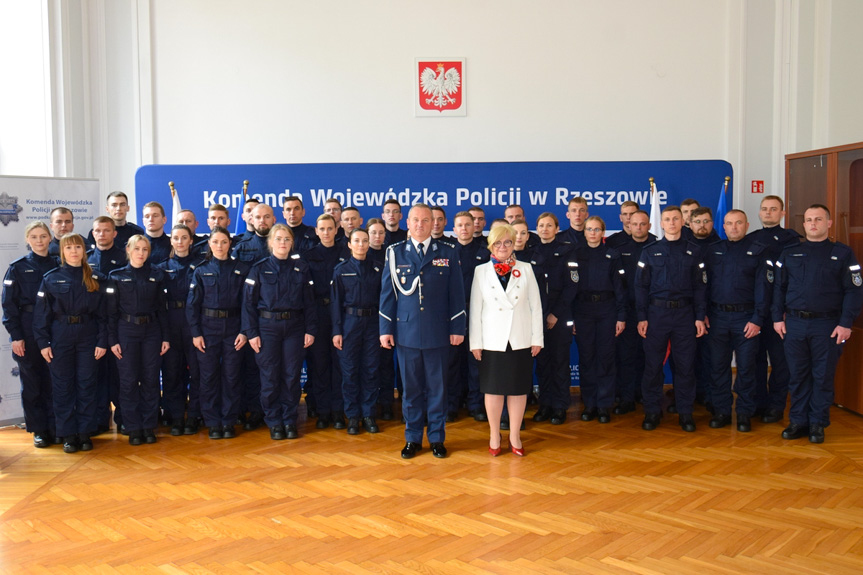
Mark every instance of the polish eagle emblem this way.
pixel 440 87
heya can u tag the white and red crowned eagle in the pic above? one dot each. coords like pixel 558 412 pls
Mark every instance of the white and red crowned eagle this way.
pixel 439 85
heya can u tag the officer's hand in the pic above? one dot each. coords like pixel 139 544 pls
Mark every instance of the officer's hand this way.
pixel 47 354
pixel 700 328
pixel 751 330
pixel 535 349
pixel 706 322
pixel 308 340
pixel 779 327
pixel 550 321
pixel 841 334
pixel 198 342
pixel 165 347
pixel 255 344
pixel 387 341
pixel 100 352
pixel 117 350
pixel 240 341
pixel 18 347
pixel 477 354
pixel 337 342
pixel 642 328
pixel 455 339
pixel 619 327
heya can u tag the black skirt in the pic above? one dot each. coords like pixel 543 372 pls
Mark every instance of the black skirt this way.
pixel 507 372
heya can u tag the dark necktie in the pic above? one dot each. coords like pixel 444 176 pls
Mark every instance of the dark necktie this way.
pixel 421 250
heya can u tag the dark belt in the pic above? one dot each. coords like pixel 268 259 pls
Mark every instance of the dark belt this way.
pixel 70 319
pixel 221 313
pixel 671 303
pixel 733 306
pixel 28 307
pixel 596 296
pixel 291 313
pixel 361 311
pixel 812 314
pixel 323 300
pixel 176 304
pixel 142 319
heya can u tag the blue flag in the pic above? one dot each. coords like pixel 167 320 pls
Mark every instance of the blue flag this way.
pixel 721 210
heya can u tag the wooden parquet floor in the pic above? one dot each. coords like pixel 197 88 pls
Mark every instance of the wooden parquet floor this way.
pixel 587 498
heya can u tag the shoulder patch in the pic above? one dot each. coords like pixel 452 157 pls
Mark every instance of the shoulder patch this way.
pixel 250 281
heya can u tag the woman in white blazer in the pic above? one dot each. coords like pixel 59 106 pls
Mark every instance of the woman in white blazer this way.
pixel 505 334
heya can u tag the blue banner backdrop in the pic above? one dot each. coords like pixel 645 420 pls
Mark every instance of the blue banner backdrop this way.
pixel 537 186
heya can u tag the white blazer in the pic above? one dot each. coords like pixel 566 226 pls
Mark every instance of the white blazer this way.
pixel 498 317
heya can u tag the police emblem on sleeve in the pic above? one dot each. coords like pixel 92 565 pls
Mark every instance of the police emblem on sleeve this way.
pixel 573 275
pixel 770 276
pixel 855 277
pixel 704 276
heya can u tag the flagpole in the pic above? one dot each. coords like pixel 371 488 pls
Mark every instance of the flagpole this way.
pixel 175 204
pixel 239 221
pixel 655 213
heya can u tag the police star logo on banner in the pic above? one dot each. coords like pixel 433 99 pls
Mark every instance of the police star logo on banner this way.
pixel 9 208
pixel 439 87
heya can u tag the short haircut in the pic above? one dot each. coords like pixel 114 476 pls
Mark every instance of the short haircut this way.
pixel 60 210
pixel 154 205
pixel 503 231
pixel 104 220
pixel 776 198
pixel 514 206
pixel 596 219
pixel 420 206
pixel 439 209
pixel 553 217
pixel 333 201
pixel 463 214
pixel 689 202
pixel 189 211
pixel 218 208
pixel 252 200
pixel 324 217
pixel 672 209
pixel 293 199
pixel 700 211
pixel 392 201
pixel 476 209
pixel 350 209
pixel 642 212
pixel 818 207
pixel 628 204
pixel 736 211
pixel 117 195
pixel 576 200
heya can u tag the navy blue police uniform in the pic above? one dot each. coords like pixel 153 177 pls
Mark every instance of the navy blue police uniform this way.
pixel 670 296
pixel 305 238
pixel 20 287
pixel 771 386
pixel 54 246
pixel 72 322
pixel 180 374
pixel 421 305
pixel 214 313
pixel 599 305
pixel 817 287
pixel 739 292
pixel 160 248
pixel 279 307
pixel 703 369
pixel 356 292
pixel 137 322
pixel 124 232
pixel 571 236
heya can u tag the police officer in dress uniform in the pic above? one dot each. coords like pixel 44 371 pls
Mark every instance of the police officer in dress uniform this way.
pixel 20 287
pixel 670 299
pixel 422 312
pixel 280 319
pixel 356 290
pixel 818 293
pixel 739 286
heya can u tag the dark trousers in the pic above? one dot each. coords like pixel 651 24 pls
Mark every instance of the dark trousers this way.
pixel 703 369
pixel 180 374
pixel 280 361
pixel 108 391
pixel 594 332
pixel 630 361
pixel 553 368
pixel 772 392
pixel 726 338
pixel 73 378
pixel 359 359
pixel 678 327
pixel 221 389
pixel 425 392
pixel 324 369
pixel 812 357
pixel 251 377
pixel 139 374
pixel 36 392
pixel 388 376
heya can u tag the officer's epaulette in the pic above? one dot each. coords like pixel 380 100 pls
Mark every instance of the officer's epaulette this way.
pixel 396 244
pixel 21 259
pixel 446 240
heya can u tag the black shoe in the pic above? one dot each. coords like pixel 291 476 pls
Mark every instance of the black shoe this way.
pixel 178 427
pixel 191 427
pixel 410 449
pixel 720 421
pixel 149 436
pixel 57 440
pixel 672 408
pixel 816 434
pixel 84 442
pixel 743 424
pixel 255 421
pixel 291 431
pixel 70 444
pixel 588 414
pixel 795 431
pixel 353 426
pixel 603 415
pixel 625 407
pixel 771 416
pixel 311 412
pixel 651 421
pixel 228 432
pixel 41 440
pixel 387 412
pixel 542 414
pixel 479 415
pixel 323 421
pixel 451 416
pixel 166 420
pixel 277 433
pixel 136 438
pixel 438 450
pixel 504 425
pixel 123 429
pixel 370 425
pixel 686 422
pixel 216 433
pixel 558 417
pixel 339 422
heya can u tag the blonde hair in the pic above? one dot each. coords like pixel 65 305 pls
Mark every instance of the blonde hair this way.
pixel 500 232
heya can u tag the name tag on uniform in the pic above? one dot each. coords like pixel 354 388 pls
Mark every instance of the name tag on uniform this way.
pixel 441 262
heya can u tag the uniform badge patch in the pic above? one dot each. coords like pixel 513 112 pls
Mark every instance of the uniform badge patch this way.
pixel 441 262
pixel 704 277
pixel 573 275
pixel 858 281
pixel 770 276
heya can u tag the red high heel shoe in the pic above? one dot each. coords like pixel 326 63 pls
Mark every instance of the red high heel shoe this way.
pixel 517 450
pixel 495 451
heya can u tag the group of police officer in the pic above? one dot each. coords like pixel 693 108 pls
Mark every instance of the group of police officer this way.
pixel 689 298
